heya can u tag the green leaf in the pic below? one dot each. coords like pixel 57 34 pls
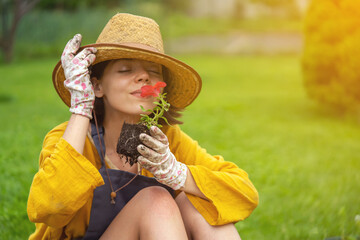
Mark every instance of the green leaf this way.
pixel 145 118
pixel 166 121
pixel 144 110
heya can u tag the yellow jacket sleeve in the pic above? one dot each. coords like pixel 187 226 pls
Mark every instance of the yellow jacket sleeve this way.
pixel 232 196
pixel 51 200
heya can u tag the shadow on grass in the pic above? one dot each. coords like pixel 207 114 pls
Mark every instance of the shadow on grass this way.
pixel 5 98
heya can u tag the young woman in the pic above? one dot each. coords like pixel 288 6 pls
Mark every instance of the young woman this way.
pixel 85 190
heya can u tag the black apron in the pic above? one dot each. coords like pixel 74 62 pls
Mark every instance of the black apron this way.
pixel 102 211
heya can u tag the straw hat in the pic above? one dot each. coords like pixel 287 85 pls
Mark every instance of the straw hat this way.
pixel 130 36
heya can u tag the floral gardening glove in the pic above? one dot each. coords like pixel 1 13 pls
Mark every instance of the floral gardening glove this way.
pixel 78 77
pixel 160 161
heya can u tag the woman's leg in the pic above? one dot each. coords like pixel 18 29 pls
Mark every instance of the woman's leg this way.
pixel 151 214
pixel 197 227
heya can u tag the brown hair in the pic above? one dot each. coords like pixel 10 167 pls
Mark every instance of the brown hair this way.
pixel 97 71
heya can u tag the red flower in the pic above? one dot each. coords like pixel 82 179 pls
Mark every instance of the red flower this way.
pixel 155 90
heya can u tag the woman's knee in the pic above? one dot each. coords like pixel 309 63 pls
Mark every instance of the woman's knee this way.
pixel 144 213
pixel 157 200
pixel 162 217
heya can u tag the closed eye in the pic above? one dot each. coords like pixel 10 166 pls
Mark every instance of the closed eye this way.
pixel 155 71
pixel 124 71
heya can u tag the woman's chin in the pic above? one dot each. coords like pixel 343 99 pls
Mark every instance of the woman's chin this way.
pixel 136 114
pixel 133 111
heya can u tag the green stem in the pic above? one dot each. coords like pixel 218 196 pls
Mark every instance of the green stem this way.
pixel 158 112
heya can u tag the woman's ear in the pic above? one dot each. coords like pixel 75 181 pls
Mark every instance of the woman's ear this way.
pixel 97 87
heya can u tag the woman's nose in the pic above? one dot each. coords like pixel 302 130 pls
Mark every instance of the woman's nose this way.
pixel 142 76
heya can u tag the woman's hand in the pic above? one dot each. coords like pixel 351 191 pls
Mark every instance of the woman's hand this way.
pixel 77 76
pixel 157 158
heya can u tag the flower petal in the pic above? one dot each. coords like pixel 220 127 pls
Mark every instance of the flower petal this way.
pixel 159 85
pixel 147 90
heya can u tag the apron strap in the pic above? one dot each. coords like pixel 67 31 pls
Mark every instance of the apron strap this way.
pixel 95 137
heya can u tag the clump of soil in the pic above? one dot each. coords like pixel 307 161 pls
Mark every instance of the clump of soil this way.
pixel 129 140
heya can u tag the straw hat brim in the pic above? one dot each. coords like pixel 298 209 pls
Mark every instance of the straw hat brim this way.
pixel 183 82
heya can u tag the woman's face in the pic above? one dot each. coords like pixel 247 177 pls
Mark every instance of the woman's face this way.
pixel 121 83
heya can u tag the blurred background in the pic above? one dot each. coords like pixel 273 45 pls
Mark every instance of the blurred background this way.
pixel 38 28
pixel 280 98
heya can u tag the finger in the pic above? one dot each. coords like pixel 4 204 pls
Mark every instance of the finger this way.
pixel 159 135
pixel 71 48
pixel 85 63
pixel 145 163
pixel 90 59
pixel 149 154
pixel 153 143
pixel 85 58
pixel 86 52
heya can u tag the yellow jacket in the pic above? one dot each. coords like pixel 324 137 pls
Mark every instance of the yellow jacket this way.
pixel 61 193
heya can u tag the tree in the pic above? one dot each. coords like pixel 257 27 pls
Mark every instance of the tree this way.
pixel 331 53
pixel 11 14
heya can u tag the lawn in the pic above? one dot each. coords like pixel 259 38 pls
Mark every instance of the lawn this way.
pixel 252 110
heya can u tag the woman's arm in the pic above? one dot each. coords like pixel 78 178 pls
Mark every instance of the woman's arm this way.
pixel 220 190
pixel 78 83
pixel 191 187
pixel 229 194
pixel 65 180
pixel 75 132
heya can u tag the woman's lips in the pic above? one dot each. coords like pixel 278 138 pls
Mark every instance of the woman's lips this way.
pixel 137 93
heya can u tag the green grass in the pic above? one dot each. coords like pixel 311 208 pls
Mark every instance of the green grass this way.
pixel 303 159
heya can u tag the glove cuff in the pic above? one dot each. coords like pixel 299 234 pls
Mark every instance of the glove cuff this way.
pixel 177 178
pixel 83 108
